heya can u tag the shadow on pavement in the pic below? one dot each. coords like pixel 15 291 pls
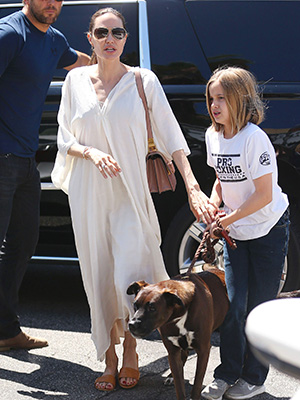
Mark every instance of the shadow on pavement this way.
pixel 54 290
pixel 52 299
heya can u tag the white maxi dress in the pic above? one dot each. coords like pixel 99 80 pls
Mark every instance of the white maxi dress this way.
pixel 114 221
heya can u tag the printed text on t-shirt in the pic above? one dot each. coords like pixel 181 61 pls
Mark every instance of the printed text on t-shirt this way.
pixel 228 167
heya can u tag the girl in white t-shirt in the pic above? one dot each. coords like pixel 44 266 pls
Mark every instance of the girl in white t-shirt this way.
pixel 257 216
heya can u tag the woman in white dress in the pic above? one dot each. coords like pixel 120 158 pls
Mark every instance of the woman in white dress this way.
pixel 102 142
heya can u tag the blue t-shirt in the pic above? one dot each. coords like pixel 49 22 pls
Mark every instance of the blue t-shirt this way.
pixel 28 60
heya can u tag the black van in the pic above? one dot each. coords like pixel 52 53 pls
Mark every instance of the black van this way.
pixel 183 41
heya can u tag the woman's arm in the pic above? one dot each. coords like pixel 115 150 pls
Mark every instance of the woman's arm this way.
pixel 198 201
pixel 106 164
pixel 259 199
pixel 216 194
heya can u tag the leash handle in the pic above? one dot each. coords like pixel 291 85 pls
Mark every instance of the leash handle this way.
pixel 220 231
pixel 206 246
pixel 228 239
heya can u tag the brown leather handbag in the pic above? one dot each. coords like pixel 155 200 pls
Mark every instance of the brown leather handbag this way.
pixel 160 170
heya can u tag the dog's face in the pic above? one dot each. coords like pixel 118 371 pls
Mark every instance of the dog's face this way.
pixel 153 305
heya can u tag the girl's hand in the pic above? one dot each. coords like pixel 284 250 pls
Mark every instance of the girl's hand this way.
pixel 106 164
pixel 211 228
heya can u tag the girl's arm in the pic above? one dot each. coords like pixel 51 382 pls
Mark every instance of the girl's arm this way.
pixel 259 199
pixel 198 201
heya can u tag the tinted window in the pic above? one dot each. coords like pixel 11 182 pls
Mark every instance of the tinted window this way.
pixel 8 10
pixel 261 36
pixel 176 55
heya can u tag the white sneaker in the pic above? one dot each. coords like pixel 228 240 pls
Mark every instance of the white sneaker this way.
pixel 215 390
pixel 243 390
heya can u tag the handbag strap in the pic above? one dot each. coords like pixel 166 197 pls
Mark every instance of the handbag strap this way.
pixel 140 88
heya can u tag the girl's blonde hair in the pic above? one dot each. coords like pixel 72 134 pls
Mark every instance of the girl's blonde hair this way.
pixel 241 95
pixel 102 11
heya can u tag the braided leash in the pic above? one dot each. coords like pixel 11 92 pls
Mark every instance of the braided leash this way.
pixel 206 246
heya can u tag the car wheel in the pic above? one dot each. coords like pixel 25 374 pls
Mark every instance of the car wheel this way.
pixel 181 242
pixel 184 236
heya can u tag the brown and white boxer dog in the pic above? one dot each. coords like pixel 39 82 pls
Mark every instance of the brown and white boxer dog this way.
pixel 185 310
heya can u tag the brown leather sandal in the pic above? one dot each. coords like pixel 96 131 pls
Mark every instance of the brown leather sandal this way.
pixel 127 372
pixel 106 379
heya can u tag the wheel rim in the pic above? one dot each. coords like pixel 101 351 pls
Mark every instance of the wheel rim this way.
pixel 283 275
pixel 189 244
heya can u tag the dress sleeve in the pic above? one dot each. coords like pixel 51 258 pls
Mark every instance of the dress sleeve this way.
pixel 65 139
pixel 167 133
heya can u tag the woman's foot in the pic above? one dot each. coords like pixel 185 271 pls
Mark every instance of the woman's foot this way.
pixel 129 373
pixel 107 381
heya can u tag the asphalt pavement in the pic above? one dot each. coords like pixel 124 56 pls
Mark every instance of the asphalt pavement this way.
pixel 53 306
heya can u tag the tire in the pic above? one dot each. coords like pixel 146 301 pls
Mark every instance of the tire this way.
pixel 181 242
pixel 184 235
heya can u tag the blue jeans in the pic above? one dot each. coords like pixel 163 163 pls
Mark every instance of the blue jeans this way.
pixel 19 227
pixel 253 272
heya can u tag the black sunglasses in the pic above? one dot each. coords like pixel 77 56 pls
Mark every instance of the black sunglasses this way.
pixel 118 33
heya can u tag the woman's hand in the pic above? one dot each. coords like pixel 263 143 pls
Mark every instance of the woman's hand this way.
pixel 106 164
pixel 200 206
pixel 199 203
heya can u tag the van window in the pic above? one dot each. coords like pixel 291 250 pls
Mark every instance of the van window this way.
pixel 261 36
pixel 176 55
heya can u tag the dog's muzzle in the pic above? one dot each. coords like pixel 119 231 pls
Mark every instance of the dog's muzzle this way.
pixel 137 329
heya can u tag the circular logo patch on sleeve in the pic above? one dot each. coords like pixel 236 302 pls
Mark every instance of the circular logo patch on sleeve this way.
pixel 265 158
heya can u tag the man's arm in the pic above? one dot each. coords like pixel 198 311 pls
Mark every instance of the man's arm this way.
pixel 83 59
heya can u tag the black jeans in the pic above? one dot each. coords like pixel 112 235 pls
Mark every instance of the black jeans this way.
pixel 19 228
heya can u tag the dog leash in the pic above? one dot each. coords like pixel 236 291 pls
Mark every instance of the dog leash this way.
pixel 206 246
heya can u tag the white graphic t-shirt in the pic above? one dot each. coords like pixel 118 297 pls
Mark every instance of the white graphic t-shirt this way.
pixel 237 162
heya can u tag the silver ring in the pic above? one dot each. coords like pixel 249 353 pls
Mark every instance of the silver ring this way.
pixel 103 165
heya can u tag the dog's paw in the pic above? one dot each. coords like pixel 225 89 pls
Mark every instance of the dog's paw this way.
pixel 169 381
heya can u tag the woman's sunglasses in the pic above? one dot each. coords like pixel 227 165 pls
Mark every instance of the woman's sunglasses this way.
pixel 118 33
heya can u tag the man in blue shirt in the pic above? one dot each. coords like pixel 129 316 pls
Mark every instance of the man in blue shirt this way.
pixel 31 50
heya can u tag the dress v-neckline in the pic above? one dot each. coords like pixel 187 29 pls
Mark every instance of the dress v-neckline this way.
pixel 103 104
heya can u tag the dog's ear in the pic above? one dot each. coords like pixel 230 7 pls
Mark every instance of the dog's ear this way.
pixel 172 299
pixel 135 287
